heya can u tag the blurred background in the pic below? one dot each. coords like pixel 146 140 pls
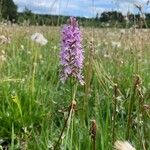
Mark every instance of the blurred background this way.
pixel 97 13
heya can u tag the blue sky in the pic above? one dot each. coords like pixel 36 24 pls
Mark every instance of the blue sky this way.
pixel 85 8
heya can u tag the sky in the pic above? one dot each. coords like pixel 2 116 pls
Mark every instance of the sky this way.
pixel 83 8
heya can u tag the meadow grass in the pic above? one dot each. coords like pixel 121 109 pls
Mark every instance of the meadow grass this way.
pixel 34 104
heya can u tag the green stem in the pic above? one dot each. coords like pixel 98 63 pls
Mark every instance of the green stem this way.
pixel 65 125
pixel 75 91
pixel 94 144
pixel 129 122
pixel 72 122
pixel 114 121
pixel 131 104
pixel 69 122
pixel 116 94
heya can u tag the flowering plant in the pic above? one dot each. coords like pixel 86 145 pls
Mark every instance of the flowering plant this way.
pixel 71 52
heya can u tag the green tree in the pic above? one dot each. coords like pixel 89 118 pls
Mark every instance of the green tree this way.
pixel 8 10
pixel 111 16
pixel 27 13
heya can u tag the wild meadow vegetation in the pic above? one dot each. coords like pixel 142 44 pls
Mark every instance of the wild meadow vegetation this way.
pixel 39 112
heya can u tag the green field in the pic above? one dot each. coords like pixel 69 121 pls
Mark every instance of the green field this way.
pixel 34 104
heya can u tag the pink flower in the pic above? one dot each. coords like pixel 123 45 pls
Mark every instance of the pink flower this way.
pixel 71 52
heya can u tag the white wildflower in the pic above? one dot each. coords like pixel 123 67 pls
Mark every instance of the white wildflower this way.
pixel 55 47
pixel 4 40
pixel 116 44
pixel 107 56
pixel 2 58
pixel 39 38
pixel 143 16
pixel 3 52
pixel 107 24
pixel 28 52
pixel 126 19
pixel 23 80
pixel 120 145
pixel 123 31
pixel 22 47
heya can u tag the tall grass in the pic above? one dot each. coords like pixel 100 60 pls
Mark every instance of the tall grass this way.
pixel 34 103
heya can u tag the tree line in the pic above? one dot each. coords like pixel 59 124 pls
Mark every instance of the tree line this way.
pixel 8 12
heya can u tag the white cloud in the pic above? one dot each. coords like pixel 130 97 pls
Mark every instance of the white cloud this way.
pixel 133 1
pixel 126 7
pixel 129 5
pixel 78 7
